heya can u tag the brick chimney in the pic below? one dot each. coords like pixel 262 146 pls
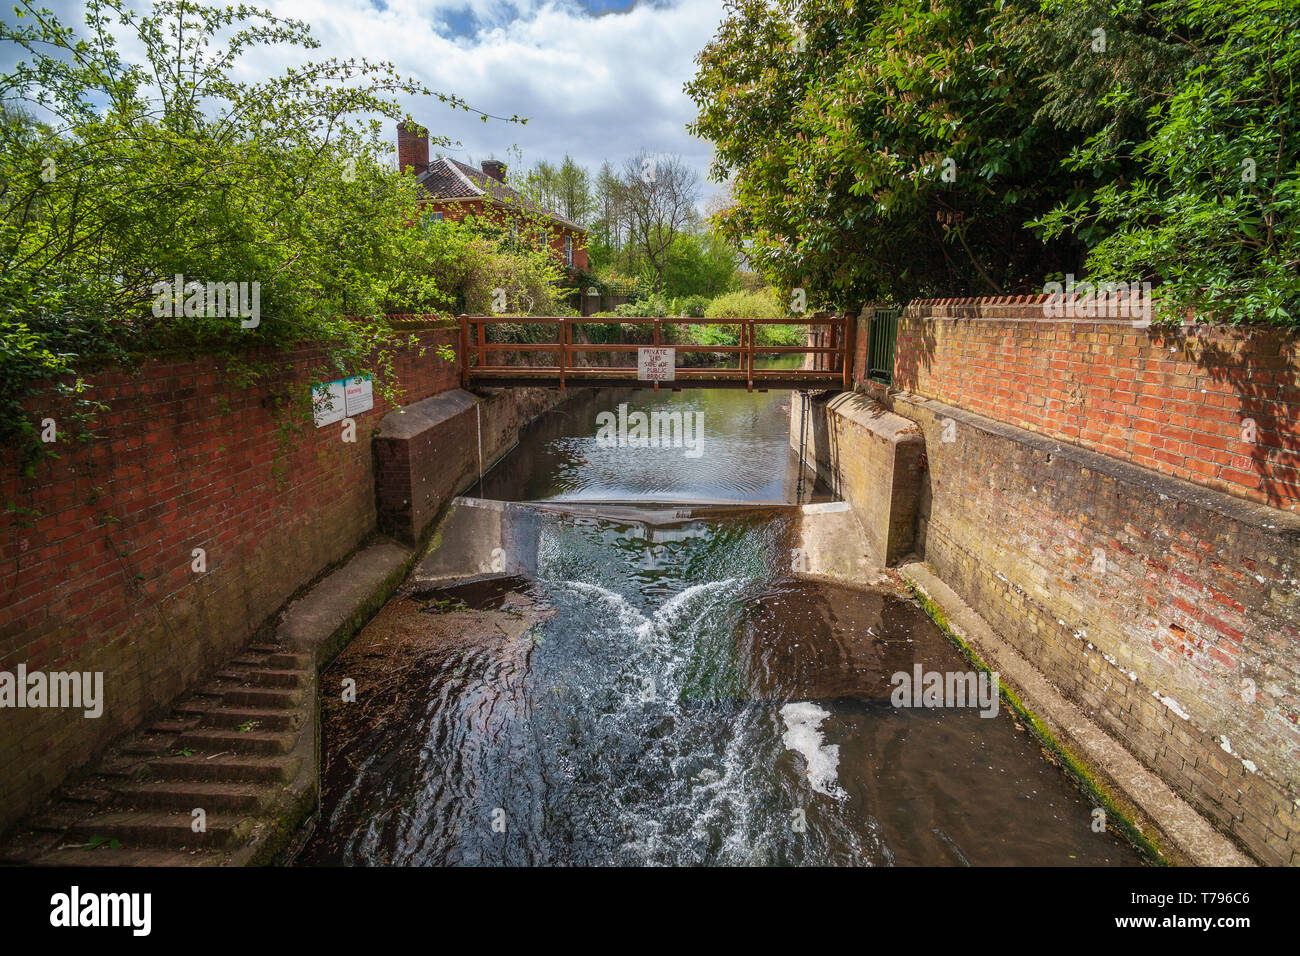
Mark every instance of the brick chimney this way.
pixel 494 168
pixel 412 147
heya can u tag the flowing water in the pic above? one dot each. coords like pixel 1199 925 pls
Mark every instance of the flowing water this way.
pixel 682 699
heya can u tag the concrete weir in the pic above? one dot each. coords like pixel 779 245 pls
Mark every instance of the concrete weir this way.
pixel 479 538
pixel 1072 574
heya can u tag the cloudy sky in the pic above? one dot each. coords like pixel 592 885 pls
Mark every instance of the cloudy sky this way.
pixel 596 78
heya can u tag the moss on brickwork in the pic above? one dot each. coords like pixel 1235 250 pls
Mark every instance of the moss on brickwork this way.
pixel 1099 793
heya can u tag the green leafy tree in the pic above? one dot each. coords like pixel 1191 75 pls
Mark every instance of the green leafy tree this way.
pixel 896 148
pixel 881 148
pixel 659 195
pixel 699 264
pixel 1208 200
pixel 118 174
pixel 573 192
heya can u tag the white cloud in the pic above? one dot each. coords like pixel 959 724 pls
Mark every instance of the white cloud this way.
pixel 594 86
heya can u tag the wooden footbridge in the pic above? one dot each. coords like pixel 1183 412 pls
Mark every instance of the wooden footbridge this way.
pixel 555 351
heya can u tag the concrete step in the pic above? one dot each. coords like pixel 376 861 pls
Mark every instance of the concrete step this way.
pixel 251 660
pixel 210 714
pixel 184 796
pixel 147 744
pixel 24 847
pixel 228 769
pixel 117 767
pixel 276 658
pixel 173 725
pixel 270 698
pixel 266 676
pixel 288 661
pixel 266 649
pixel 147 856
pixel 95 792
pixel 58 815
pixel 137 828
pixel 214 740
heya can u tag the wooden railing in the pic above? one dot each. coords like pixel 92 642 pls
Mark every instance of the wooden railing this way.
pixel 827 365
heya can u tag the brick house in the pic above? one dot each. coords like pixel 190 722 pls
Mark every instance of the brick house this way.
pixel 453 190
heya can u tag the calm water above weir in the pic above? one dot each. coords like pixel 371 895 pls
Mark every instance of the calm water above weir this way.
pixel 674 696
pixel 722 445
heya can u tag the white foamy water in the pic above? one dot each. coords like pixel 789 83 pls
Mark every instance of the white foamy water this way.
pixel 802 720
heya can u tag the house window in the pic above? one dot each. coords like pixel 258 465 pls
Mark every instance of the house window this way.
pixel 568 251
pixel 541 241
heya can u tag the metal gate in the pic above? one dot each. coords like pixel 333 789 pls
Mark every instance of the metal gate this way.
pixel 880 345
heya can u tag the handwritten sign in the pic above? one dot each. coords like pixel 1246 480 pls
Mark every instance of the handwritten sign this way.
pixel 656 365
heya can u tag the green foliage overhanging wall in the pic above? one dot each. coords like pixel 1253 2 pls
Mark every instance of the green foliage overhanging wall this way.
pixel 901 148
pixel 116 175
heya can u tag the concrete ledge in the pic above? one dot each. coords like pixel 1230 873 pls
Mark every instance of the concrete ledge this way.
pixel 423 454
pixel 479 537
pixel 1181 833
pixel 833 546
pixel 873 458
pixel 320 622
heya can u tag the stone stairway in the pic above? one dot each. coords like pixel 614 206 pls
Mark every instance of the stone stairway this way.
pixel 242 749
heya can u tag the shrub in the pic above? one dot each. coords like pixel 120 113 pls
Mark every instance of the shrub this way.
pixel 762 304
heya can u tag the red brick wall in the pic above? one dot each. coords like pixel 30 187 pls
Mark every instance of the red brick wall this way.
pixel 100 579
pixel 1175 402
pixel 1120 584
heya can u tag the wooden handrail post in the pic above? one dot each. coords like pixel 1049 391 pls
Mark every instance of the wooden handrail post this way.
pixel 833 344
pixel 747 333
pixel 850 348
pixel 657 346
pixel 564 348
pixel 464 350
pixel 482 340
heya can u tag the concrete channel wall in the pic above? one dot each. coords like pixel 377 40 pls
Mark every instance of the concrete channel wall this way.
pixel 1168 611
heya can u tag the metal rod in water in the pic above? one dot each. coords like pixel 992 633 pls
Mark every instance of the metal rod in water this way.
pixel 803 445
pixel 478 424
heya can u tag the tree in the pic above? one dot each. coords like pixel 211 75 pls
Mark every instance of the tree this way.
pixel 541 183
pixel 896 148
pixel 699 264
pixel 139 171
pixel 659 195
pixel 609 207
pixel 573 192
pixel 886 148
pixel 1208 203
